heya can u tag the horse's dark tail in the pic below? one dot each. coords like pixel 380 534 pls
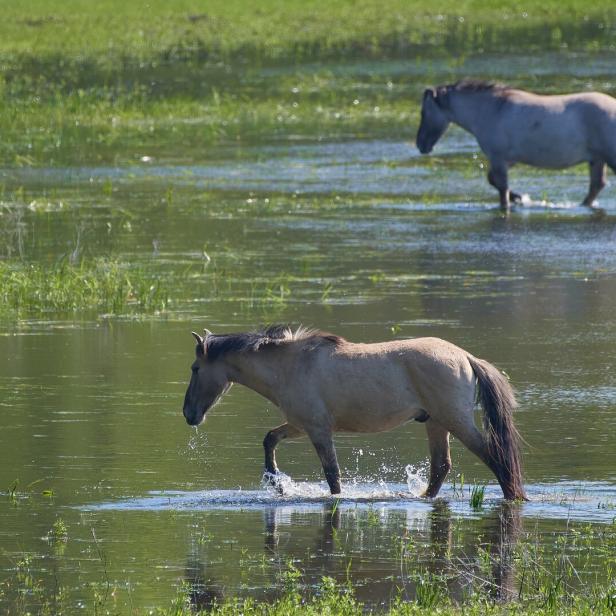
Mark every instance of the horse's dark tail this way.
pixel 497 399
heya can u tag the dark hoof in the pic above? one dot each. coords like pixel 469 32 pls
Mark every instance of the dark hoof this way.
pixel 274 480
pixel 514 197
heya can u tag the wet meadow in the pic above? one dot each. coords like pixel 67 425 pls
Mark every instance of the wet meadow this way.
pixel 166 167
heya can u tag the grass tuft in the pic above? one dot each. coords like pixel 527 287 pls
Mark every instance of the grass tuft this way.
pixel 93 284
pixel 477 497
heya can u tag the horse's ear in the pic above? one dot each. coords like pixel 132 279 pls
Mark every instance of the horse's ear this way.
pixel 207 332
pixel 429 93
pixel 200 343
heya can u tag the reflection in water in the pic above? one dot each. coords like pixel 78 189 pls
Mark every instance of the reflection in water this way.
pixel 204 592
pixel 427 551
pixel 488 563
pixel 325 542
pixel 507 528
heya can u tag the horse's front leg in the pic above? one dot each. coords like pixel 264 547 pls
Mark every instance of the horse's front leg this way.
pixel 497 176
pixel 597 181
pixel 271 440
pixel 324 445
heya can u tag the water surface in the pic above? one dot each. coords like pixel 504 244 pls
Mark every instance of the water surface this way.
pixel 363 238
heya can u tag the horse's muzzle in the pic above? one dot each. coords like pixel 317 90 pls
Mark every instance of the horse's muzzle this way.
pixel 193 419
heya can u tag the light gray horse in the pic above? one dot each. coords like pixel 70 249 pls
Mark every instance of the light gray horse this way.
pixel 514 126
pixel 324 384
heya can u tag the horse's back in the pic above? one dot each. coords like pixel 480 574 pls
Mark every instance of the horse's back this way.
pixel 372 387
pixel 555 131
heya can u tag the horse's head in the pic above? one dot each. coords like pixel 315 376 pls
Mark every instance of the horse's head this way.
pixel 434 121
pixel 207 383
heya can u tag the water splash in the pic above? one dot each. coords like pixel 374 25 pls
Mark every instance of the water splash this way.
pixel 582 501
pixel 280 484
pixel 197 442
pixel 530 203
pixel 355 488
pixel 415 480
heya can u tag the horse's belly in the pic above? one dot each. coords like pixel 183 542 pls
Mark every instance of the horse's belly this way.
pixel 371 421
pixel 551 150
pixel 551 159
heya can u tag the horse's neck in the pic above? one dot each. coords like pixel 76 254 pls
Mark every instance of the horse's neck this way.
pixel 469 110
pixel 259 371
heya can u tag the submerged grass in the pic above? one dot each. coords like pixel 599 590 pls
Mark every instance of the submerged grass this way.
pixel 100 284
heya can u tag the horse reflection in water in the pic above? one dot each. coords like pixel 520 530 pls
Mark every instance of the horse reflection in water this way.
pixel 455 568
pixel 323 384
pixel 203 592
pixel 500 532
pixel 325 543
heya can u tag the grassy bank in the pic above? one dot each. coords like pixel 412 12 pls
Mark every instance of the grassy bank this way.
pixel 289 30
pixel 113 81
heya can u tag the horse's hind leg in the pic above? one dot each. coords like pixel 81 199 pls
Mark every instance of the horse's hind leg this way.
pixel 440 460
pixel 272 439
pixel 597 181
pixel 474 440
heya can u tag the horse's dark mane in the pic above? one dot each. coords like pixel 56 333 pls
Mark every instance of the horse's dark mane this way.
pixel 274 335
pixel 476 85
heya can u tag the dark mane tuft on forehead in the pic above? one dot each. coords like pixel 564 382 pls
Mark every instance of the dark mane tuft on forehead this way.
pixel 274 335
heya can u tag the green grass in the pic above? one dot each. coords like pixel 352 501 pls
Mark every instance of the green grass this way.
pixel 277 29
pixel 431 600
pixel 104 285
pixel 477 497
pixel 113 81
pixel 329 598
pixel 94 128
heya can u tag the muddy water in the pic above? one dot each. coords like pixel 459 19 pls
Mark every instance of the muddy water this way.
pixel 362 238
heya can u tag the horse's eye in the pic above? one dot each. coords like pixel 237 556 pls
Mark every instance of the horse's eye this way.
pixel 195 369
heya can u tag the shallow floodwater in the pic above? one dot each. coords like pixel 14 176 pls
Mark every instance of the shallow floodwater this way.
pixel 363 238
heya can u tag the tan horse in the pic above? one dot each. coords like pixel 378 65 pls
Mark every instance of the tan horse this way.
pixel 324 384
pixel 513 126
